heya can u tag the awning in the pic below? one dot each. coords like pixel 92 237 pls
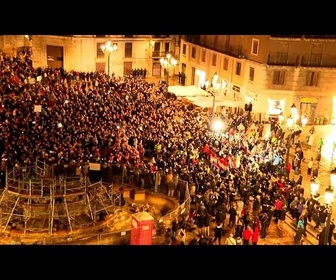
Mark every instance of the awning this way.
pixel 207 102
pixel 185 91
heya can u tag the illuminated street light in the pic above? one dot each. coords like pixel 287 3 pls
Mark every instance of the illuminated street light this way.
pixel 217 125
pixel 329 196
pixel 304 120
pixel 109 48
pixel 314 186
pixel 168 62
pixel 293 109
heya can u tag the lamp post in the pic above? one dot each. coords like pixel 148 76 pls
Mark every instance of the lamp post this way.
pixel 168 62
pixel 210 90
pixel 291 123
pixel 109 48
pixel 328 198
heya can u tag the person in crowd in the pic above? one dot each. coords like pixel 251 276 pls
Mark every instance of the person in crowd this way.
pixel 247 235
pixel 282 216
pixel 125 121
pixel 239 228
pixel 230 240
pixel 202 240
pixel 218 233
pixel 255 236
pixel 298 235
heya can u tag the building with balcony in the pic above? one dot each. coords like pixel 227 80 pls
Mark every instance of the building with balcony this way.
pixel 84 52
pixel 273 72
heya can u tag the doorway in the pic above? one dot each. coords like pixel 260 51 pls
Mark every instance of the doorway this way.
pixel 128 68
pixel 156 69
pixel 309 109
pixel 100 67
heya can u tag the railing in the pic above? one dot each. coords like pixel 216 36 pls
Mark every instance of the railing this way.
pixel 283 59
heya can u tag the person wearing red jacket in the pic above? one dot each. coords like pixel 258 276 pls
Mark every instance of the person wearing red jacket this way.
pixel 247 235
pixel 277 208
pixel 255 236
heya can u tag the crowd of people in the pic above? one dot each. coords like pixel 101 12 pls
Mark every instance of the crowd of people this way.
pixel 237 177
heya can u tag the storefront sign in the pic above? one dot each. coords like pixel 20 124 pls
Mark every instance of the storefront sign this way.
pixel 308 100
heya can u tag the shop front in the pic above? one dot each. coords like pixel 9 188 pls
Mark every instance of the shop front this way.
pixel 275 107
pixel 308 106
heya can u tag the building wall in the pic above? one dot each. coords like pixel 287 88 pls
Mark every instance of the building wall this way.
pixel 298 48
pixel 80 52
pixel 261 89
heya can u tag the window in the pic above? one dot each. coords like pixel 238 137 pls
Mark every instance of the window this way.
pixel 100 53
pixel 279 77
pixel 203 55
pixel 312 78
pixel 255 46
pixel 238 68
pixel 157 47
pixel 251 76
pixel 214 59
pixel 282 53
pixel 193 52
pixel 184 49
pixel 167 47
pixel 128 49
pixel 226 64
pixel 316 54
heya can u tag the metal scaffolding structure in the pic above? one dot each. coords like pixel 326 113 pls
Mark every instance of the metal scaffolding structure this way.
pixel 35 200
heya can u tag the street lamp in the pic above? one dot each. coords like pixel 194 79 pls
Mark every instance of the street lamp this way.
pixel 109 48
pixel 209 90
pixel 314 186
pixel 168 62
pixel 291 123
pixel 328 199
pixel 293 109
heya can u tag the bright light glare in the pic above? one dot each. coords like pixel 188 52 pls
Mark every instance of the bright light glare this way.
pixel 314 186
pixel 328 196
pixel 217 125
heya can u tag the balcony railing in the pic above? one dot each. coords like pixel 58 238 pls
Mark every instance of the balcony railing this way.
pixel 296 60
pixel 158 54
pixel 284 59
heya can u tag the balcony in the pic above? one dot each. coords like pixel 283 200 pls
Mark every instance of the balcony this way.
pixel 158 54
pixel 231 51
pixel 283 59
pixel 316 61
pixel 322 37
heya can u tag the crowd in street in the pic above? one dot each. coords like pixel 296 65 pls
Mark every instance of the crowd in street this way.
pixel 61 117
